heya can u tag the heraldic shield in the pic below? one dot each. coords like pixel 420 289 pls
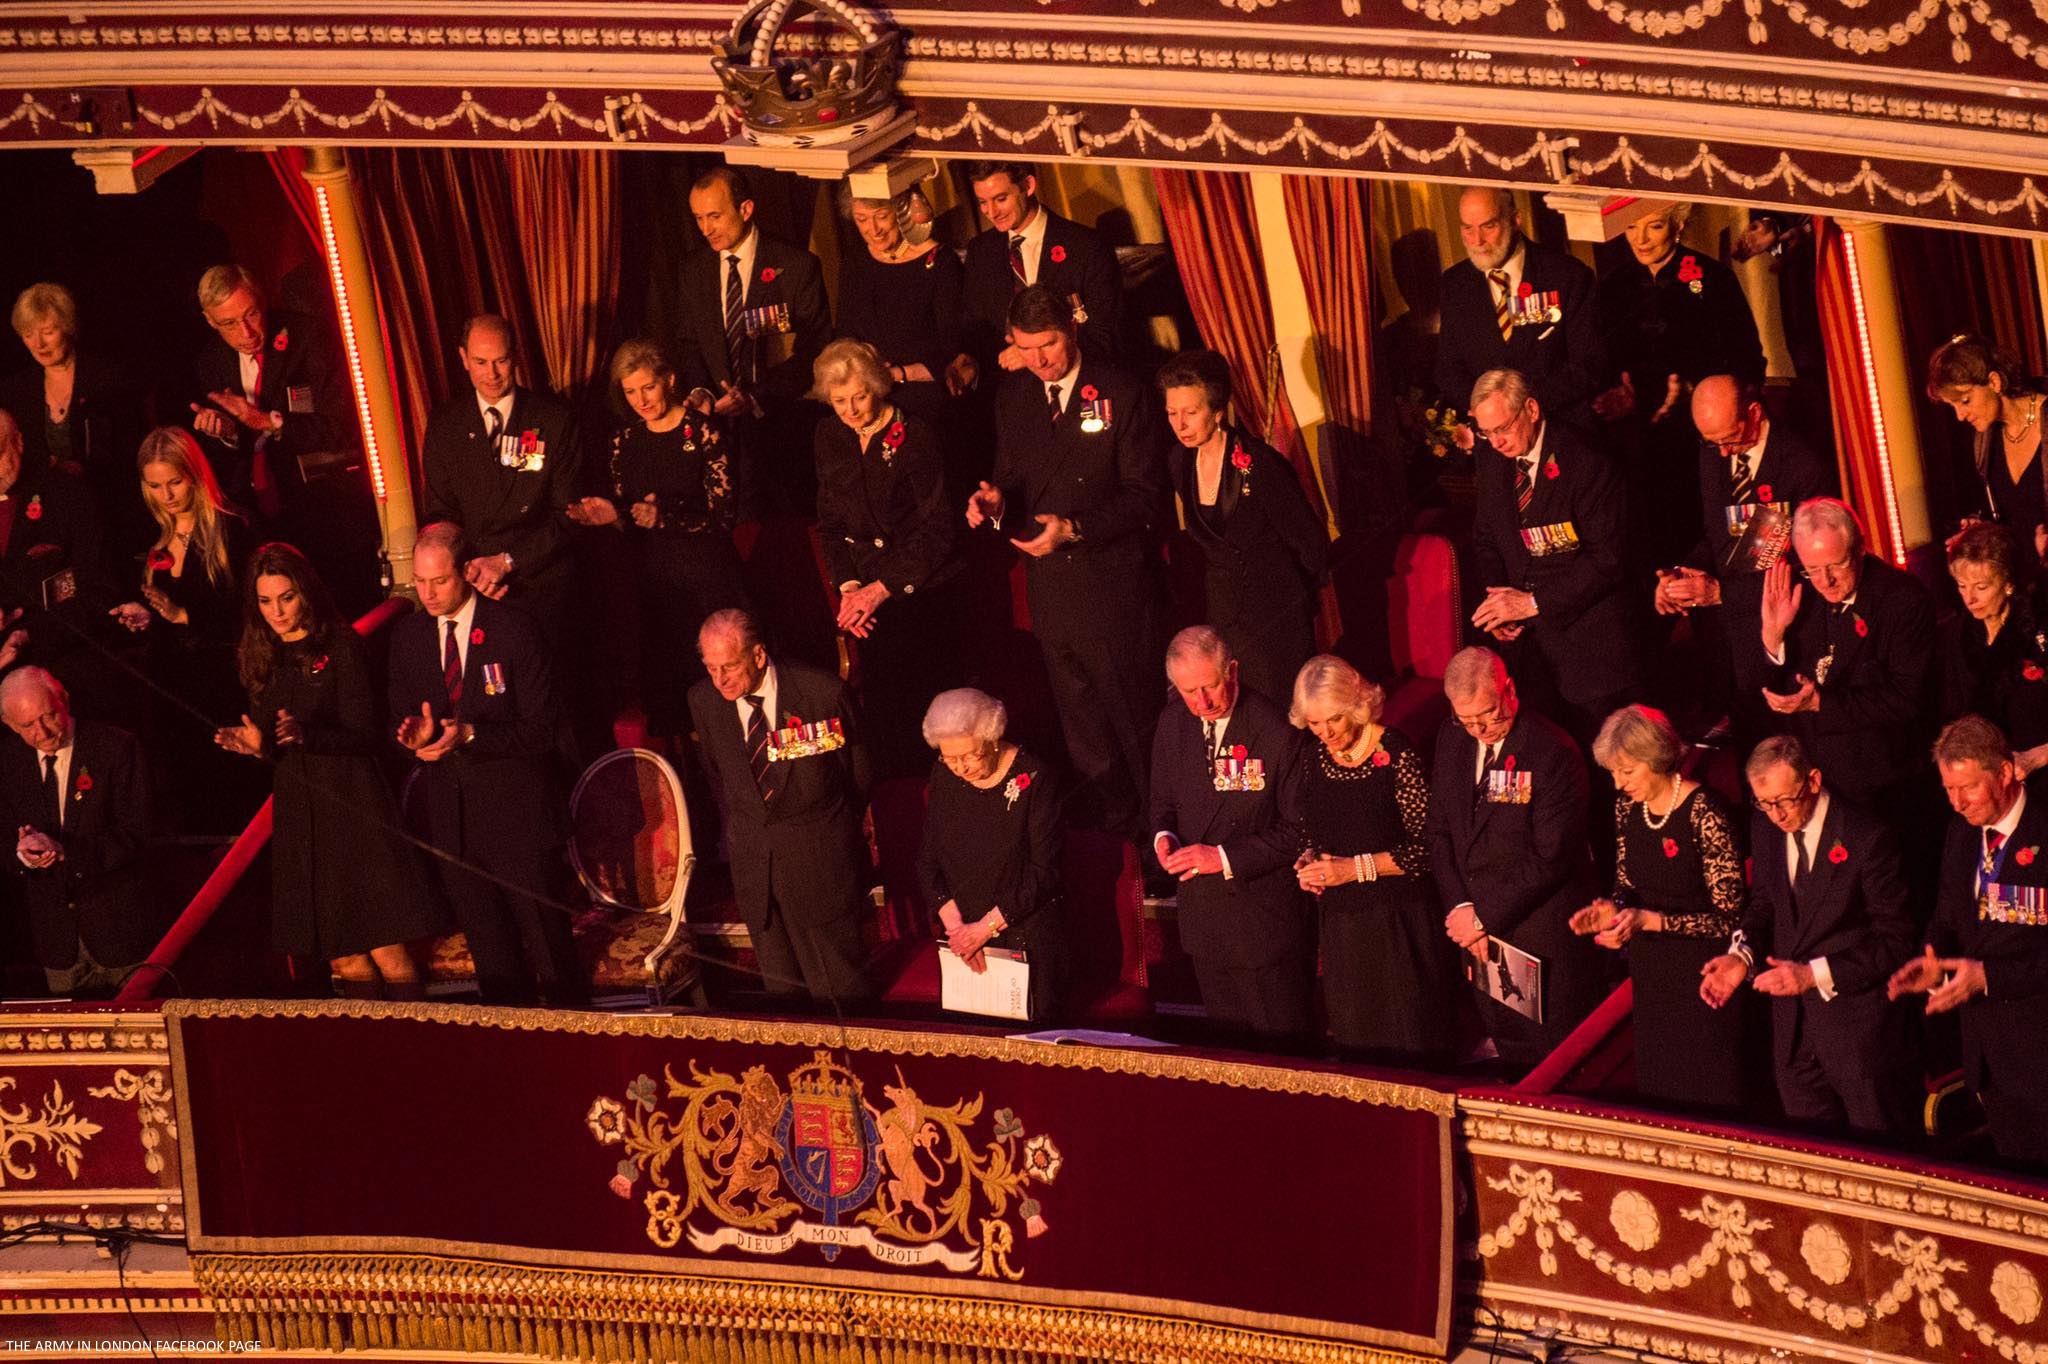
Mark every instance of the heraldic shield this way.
pixel 828 1142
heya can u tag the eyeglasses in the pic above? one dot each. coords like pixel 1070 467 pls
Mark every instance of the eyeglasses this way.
pixel 1487 720
pixel 1828 572
pixel 1784 805
pixel 1487 433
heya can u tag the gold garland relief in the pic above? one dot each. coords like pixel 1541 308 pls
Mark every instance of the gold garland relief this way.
pixel 151 1095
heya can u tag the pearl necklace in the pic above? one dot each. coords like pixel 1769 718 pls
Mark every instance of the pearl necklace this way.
pixel 2015 437
pixel 1677 797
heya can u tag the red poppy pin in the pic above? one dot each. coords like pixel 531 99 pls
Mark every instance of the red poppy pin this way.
pixel 1862 627
pixel 931 260
pixel 1508 764
pixel 1688 269
pixel 1089 393
pixel 2025 856
pixel 1550 469
pixel 1241 460
pixel 1380 758
pixel 1237 751
pixel 1838 854
pixel 160 558
pixel 1059 253
pixel 1671 847
pixel 35 508
pixel 84 782
pixel 318 665
pixel 476 636
pixel 767 274
pixel 792 719
pixel 284 339
pixel 892 439
pixel 1526 290
pixel 1023 781
pixel 1763 493
pixel 2031 671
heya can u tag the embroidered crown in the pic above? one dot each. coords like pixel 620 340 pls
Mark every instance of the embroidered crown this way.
pixel 840 85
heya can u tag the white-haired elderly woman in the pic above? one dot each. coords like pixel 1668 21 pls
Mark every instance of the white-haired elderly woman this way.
pixel 1389 974
pixel 1679 893
pixel 989 865
pixel 1670 315
pixel 886 525
pixel 76 411
pixel 902 296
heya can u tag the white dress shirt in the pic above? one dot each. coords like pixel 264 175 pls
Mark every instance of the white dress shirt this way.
pixel 1513 265
pixel 768 691
pixel 1032 248
pixel 503 407
pixel 749 246
pixel 252 373
pixel 1066 384
pixel 465 623
pixel 64 755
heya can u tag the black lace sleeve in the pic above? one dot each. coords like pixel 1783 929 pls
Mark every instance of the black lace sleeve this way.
pixel 1624 889
pixel 1411 794
pixel 1719 842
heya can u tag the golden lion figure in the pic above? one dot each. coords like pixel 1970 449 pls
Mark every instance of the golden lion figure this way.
pixel 748 1154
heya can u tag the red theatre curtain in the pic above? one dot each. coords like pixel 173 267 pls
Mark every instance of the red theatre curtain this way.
pixel 1330 219
pixel 1215 236
pixel 1851 393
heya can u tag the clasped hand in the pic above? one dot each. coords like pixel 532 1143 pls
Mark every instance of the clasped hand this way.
pixel 429 739
pixel 1462 927
pixel 488 573
pixel 1948 982
pixel 1679 590
pixel 1187 860
pixel 1503 609
pixel 1608 924
pixel 36 850
pixel 857 608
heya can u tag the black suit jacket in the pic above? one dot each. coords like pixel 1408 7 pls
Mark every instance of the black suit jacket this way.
pixel 92 892
pixel 1852 911
pixel 56 531
pixel 1074 262
pixel 804 845
pixel 502 509
pixel 304 381
pixel 1586 617
pixel 1258 916
pixel 1877 702
pixel 106 427
pixel 1524 868
pixel 1273 549
pixel 1789 472
pixel 2005 1029
pixel 1563 361
pixel 784 275
pixel 1112 482
pixel 497 795
pixel 886 519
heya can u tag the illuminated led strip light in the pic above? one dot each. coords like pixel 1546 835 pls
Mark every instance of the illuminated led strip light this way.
pixel 1884 450
pixel 348 340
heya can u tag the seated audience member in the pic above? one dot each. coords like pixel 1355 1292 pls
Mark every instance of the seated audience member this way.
pixel 1983 384
pixel 77 411
pixel 282 431
pixel 1547 548
pixel 472 694
pixel 1515 304
pixel 1027 244
pixel 1985 952
pixel 756 316
pixel 783 745
pixel 502 462
pixel 1263 556
pixel 346 887
pixel 1994 653
pixel 669 482
pixel 902 297
pixel 1669 317
pixel 989 863
pixel 1226 808
pixel 1507 838
pixel 53 583
pixel 1828 915
pixel 1678 894
pixel 78 797
pixel 1389 976
pixel 888 532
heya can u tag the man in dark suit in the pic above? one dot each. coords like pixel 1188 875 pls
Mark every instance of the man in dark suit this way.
pixel 1512 304
pixel 782 742
pixel 1080 480
pixel 1827 921
pixel 502 462
pixel 1987 949
pixel 1026 244
pixel 473 694
pixel 756 317
pixel 1507 840
pixel 1850 665
pixel 281 429
pixel 1547 547
pixel 78 797
pixel 1225 810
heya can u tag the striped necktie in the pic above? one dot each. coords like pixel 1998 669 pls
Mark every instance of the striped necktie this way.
pixel 1525 487
pixel 451 671
pixel 1017 280
pixel 738 352
pixel 757 747
pixel 1741 482
pixel 1501 316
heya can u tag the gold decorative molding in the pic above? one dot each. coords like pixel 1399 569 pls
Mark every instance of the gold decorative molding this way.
pixel 152 1098
pixel 58 1129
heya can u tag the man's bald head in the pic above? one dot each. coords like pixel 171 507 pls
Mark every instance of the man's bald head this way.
pixel 1716 402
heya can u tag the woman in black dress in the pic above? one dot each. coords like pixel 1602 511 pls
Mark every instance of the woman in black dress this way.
pixel 886 526
pixel 1983 384
pixel 1995 654
pixel 1679 894
pixel 345 886
pixel 1263 546
pixel 989 863
pixel 670 486
pixel 902 296
pixel 1389 978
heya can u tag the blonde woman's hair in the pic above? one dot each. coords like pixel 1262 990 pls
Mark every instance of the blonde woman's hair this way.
pixel 1329 678
pixel 39 301
pixel 175 446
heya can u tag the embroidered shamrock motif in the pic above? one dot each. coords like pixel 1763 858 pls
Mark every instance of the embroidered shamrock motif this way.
pixel 1059 254
pixel 1862 627
pixel 2025 856
pixel 476 636
pixel 84 782
pixel 1550 469
pixel 1671 847
pixel 1380 758
pixel 160 559
pixel 283 340
pixel 35 508
pixel 1763 493
pixel 1089 393
pixel 768 274
pixel 2031 671
pixel 1838 854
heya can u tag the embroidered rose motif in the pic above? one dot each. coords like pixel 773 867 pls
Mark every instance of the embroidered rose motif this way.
pixel 1034 1222
pixel 1042 1159
pixel 1862 627
pixel 1380 759
pixel 1826 1253
pixel 2032 672
pixel 1634 1219
pixel 768 274
pixel 607 1120
pixel 2025 856
pixel 35 507
pixel 2016 1291
pixel 160 559
pixel 1089 393
pixel 283 340
pixel 1763 493
pixel 476 636
pixel 1550 469
pixel 1059 254
pixel 1671 847
pixel 622 1186
pixel 84 781
pixel 1838 854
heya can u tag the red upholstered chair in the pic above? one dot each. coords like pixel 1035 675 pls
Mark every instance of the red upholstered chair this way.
pixel 1423 632
pixel 1105 906
pixel 904 965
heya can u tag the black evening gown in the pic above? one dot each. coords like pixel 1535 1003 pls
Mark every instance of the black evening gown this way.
pixel 2019 504
pixel 1690 871
pixel 2005 680
pixel 686 566
pixel 1000 846
pixel 910 313
pixel 343 878
pixel 194 664
pixel 1390 982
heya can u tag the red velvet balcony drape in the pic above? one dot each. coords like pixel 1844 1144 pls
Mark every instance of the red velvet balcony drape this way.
pixel 1330 219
